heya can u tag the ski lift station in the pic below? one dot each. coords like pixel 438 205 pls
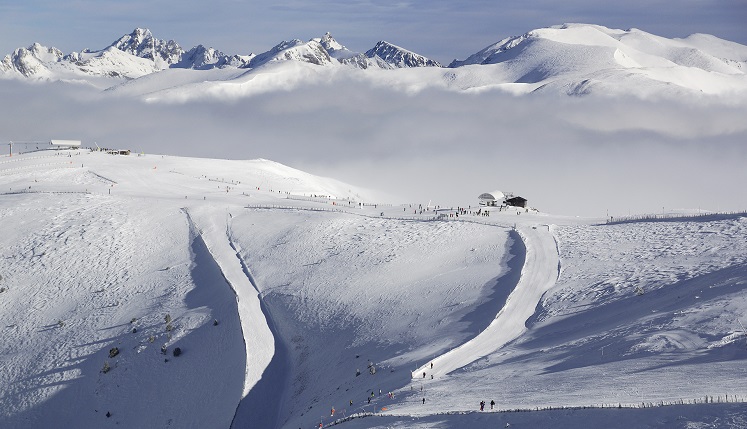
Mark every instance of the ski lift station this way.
pixel 498 198
pixel 65 144
pixel 491 199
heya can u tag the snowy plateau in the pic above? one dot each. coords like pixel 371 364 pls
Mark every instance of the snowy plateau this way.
pixel 161 291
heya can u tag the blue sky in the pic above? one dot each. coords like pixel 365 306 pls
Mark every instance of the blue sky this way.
pixel 442 30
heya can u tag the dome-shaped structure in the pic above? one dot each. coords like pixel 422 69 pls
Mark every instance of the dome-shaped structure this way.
pixel 491 198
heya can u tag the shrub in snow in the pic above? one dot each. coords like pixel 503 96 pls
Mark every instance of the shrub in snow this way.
pixel 167 318
pixel 177 351
pixel 60 323
pixel 2 289
pixel 215 322
pixel 133 320
pixel 113 352
pixel 106 368
pixel 169 327
pixel 151 339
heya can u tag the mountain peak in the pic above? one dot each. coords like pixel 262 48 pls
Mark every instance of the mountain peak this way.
pixel 141 43
pixel 399 57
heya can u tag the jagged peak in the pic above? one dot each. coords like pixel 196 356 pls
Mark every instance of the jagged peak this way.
pixel 141 43
pixel 398 56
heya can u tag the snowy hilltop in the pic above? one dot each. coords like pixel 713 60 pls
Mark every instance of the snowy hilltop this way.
pixel 157 291
pixel 572 59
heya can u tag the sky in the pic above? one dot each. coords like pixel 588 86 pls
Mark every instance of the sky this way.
pixel 441 30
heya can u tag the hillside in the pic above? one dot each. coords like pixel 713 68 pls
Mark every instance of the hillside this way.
pixel 279 287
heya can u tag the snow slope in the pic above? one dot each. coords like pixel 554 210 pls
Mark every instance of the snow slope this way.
pixel 283 299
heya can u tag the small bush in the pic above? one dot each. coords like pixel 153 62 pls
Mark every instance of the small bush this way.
pixel 169 327
pixel 106 368
pixel 177 351
pixel 113 352
pixel 167 318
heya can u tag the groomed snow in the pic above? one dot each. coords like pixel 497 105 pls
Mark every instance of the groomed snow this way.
pixel 278 296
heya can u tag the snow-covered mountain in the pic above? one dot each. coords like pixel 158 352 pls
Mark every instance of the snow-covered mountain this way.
pixel 134 287
pixel 398 57
pixel 579 58
pixel 141 43
pixel 574 59
pixel 202 58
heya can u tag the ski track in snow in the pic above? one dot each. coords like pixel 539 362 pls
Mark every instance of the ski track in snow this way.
pixel 538 275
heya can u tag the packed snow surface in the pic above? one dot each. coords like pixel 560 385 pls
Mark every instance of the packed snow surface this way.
pixel 296 300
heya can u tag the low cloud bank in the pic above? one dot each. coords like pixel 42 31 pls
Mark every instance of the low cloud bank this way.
pixel 584 156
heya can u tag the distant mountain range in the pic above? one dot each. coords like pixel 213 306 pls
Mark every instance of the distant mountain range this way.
pixel 574 59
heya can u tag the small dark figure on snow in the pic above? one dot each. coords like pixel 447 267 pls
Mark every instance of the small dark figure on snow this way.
pixel 177 351
pixel 423 374
pixel 492 404
pixel 423 401
pixel 482 405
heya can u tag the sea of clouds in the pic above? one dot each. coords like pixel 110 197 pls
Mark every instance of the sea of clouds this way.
pixel 585 156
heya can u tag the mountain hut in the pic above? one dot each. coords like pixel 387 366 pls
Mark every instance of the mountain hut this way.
pixel 516 202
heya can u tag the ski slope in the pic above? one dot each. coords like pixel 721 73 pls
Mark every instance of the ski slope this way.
pixel 538 275
pixel 282 299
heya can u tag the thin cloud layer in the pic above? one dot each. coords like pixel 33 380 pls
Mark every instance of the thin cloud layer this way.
pixel 589 156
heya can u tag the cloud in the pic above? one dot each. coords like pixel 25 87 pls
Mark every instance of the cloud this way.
pixel 568 156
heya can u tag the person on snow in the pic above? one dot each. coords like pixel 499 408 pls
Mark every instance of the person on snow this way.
pixel 492 404
pixel 482 405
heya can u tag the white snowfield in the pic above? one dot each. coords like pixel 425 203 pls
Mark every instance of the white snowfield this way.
pixel 286 304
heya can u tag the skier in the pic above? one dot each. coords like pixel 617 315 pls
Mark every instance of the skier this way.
pixel 482 405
